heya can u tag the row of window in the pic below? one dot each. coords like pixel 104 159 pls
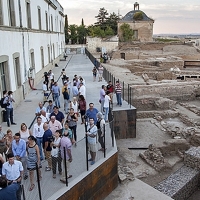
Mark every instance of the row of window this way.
pixel 49 21
pixel 4 72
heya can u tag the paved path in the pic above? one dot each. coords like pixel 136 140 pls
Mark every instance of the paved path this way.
pixel 77 64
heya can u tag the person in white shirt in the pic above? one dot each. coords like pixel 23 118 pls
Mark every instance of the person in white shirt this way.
pixel 106 105
pixel 82 90
pixel 38 133
pixel 39 108
pixel 44 88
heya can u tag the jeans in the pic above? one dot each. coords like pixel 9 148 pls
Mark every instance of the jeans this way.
pixel 66 105
pixel 119 98
pixel 73 128
pixel 9 112
pixel 102 104
pixel 106 110
pixel 40 143
pixel 56 99
pixel 24 164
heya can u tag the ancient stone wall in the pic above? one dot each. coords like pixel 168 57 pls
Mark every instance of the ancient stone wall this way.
pixel 176 91
pixel 144 28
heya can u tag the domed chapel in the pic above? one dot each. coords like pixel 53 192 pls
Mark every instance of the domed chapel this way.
pixel 140 23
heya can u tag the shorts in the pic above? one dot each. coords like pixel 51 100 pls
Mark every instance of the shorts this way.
pixel 92 147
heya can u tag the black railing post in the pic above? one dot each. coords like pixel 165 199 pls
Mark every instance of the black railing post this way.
pixel 65 165
pixel 23 193
pixel 104 140
pixel 38 178
pixel 112 133
pixel 130 97
pixel 86 145
pixel 123 90
pixel 128 93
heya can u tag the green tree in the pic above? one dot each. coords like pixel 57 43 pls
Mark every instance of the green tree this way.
pixel 109 31
pixel 81 34
pixel 66 30
pixel 82 22
pixel 101 18
pixel 127 32
pixel 112 21
pixel 73 33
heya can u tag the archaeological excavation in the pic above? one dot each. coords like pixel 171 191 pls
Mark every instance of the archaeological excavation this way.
pixel 165 89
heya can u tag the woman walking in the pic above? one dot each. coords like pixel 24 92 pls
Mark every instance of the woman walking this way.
pixel 24 132
pixel 33 158
pixel 72 122
pixel 82 107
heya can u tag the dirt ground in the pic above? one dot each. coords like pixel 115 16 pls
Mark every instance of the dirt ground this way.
pixel 147 132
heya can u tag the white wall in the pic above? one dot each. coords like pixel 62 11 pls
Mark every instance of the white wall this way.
pixel 22 40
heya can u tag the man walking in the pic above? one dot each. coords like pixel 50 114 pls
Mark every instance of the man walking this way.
pixel 66 145
pixel 102 97
pixel 13 171
pixel 19 152
pixel 56 93
pixel 118 91
pixel 47 140
pixel 38 133
pixel 91 136
pixel 92 113
pixel 9 108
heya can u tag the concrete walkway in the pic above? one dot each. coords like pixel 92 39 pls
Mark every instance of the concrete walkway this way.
pixel 77 64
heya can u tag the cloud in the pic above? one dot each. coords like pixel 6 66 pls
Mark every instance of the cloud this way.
pixel 177 11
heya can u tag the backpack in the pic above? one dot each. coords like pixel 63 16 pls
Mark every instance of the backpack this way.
pixel 66 95
pixel 3 105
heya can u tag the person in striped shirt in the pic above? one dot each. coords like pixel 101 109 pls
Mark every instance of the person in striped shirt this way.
pixel 118 92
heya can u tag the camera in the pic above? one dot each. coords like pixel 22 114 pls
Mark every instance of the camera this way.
pixel 85 116
pixel 54 147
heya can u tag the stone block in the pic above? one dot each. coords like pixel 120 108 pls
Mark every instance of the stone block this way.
pixel 181 184
pixel 192 158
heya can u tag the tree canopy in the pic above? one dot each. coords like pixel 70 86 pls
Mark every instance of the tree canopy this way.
pixel 105 26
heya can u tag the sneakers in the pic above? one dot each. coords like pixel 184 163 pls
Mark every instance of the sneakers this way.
pixel 48 168
pixel 90 159
pixel 13 123
pixel 54 175
pixel 92 163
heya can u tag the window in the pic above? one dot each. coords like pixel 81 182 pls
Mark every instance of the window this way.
pixel 28 13
pixel 51 23
pixel 135 34
pixel 1 13
pixel 46 15
pixel 32 59
pixel 11 12
pixel 49 58
pixel 17 70
pixel 39 19
pixel 42 56
pixel 53 52
pixel 3 75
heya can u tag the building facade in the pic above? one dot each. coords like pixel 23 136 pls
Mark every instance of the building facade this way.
pixel 31 39
pixel 140 23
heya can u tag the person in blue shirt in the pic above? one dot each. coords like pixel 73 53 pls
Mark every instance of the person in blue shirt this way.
pixel 58 114
pixel 8 192
pixel 91 113
pixel 19 151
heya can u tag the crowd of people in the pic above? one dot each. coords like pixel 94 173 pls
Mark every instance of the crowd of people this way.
pixel 54 132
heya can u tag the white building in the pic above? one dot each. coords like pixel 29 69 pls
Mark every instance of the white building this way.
pixel 31 36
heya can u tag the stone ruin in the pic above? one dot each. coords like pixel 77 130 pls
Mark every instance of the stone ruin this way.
pixel 156 157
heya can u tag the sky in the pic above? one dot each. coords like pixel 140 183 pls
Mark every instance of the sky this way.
pixel 171 16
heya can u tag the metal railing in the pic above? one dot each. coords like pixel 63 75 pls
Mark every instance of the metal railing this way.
pixel 108 76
